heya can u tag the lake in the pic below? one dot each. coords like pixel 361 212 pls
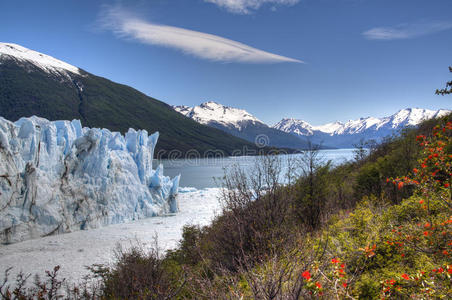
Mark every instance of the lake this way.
pixel 200 173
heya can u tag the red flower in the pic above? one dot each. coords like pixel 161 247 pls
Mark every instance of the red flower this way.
pixel 421 201
pixel 426 233
pixel 445 252
pixel 405 276
pixel 415 170
pixel 318 285
pixel 440 270
pixel 344 285
pixel 446 185
pixel 400 185
pixel 342 266
pixel 427 225
pixel 306 275
pixel 334 261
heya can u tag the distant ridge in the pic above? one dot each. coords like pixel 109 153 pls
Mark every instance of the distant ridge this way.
pixel 240 123
pixel 347 134
pixel 337 134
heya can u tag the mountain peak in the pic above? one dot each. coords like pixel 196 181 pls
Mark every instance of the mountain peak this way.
pixel 291 125
pixel 413 116
pixel 212 111
pixel 42 61
pixel 210 103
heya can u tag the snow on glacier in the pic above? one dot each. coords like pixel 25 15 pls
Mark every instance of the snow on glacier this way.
pixel 73 251
pixel 56 177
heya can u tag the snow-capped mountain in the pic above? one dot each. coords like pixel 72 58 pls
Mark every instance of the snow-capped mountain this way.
pixel 294 126
pixel 240 123
pixel 58 177
pixel 44 62
pixel 211 111
pixel 347 134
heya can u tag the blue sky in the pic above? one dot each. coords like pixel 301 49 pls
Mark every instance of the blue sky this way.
pixel 316 60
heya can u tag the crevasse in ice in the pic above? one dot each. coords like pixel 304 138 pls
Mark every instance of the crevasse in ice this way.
pixel 56 176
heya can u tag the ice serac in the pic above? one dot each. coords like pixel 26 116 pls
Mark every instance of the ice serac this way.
pixel 57 177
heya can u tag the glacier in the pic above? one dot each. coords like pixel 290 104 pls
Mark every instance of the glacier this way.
pixel 58 177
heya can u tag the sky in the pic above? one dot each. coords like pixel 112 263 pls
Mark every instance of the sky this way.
pixel 316 60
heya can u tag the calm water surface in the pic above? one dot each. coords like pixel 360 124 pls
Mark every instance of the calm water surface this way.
pixel 201 173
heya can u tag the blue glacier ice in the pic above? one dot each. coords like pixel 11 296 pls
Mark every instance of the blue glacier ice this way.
pixel 56 177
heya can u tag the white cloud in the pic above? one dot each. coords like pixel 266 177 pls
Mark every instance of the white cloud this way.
pixel 247 6
pixel 199 44
pixel 406 31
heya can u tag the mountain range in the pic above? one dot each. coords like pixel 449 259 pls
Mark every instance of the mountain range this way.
pixel 336 135
pixel 352 132
pixel 32 83
pixel 240 123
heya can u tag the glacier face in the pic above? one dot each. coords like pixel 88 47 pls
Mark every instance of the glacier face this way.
pixel 56 177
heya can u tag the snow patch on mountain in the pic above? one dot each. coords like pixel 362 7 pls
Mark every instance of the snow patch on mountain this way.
pixel 58 177
pixel 298 127
pixel 42 61
pixel 211 111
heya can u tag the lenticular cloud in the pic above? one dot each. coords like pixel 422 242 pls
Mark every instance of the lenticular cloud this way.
pixel 199 44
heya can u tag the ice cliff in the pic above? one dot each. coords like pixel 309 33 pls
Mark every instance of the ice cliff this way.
pixel 56 177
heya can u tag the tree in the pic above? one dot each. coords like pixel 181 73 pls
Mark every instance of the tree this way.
pixel 447 89
pixel 311 189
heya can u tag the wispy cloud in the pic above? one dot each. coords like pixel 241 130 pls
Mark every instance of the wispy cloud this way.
pixel 406 31
pixel 247 6
pixel 199 44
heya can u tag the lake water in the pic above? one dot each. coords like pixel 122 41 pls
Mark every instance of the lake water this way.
pixel 201 173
